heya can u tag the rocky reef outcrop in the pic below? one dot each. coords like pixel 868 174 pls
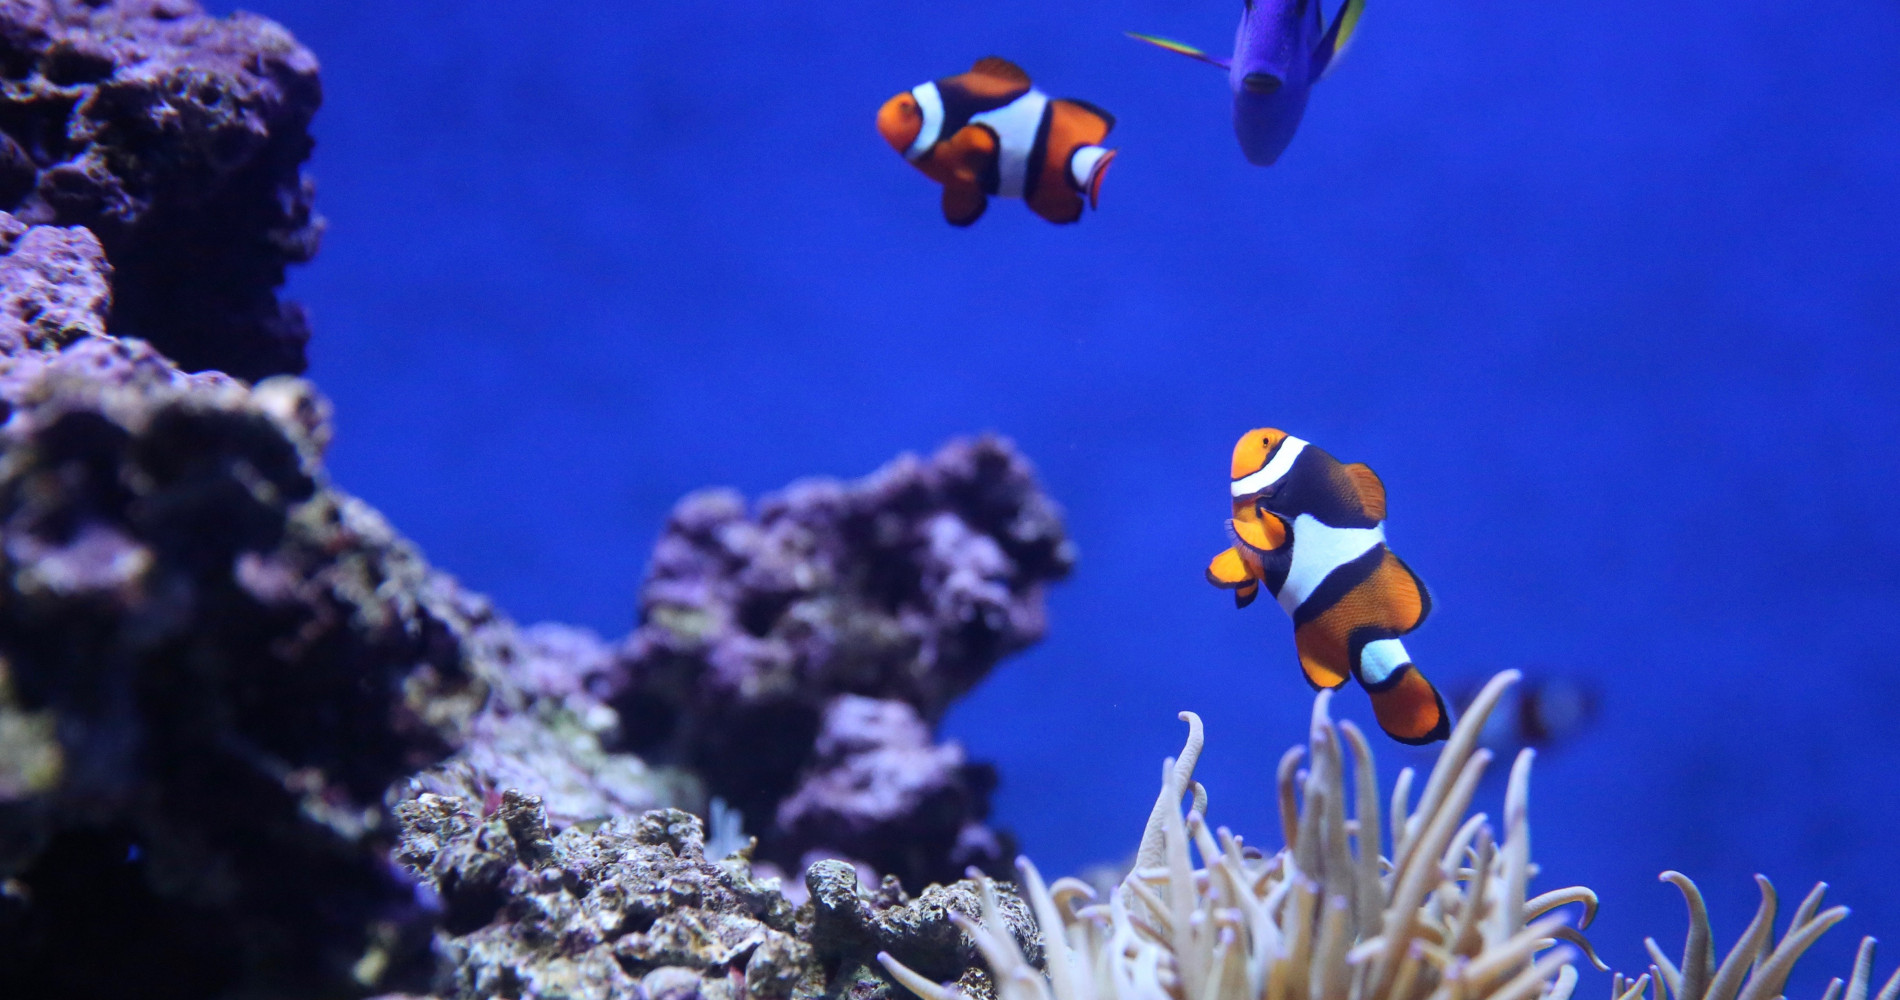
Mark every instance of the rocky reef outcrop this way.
pixel 219 675
pixel 212 665
pixel 796 657
pixel 178 140
pixel 252 743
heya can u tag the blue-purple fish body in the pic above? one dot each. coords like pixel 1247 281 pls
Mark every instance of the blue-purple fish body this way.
pixel 1280 50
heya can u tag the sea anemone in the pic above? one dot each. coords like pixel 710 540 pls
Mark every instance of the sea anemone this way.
pixel 1757 967
pixel 1329 918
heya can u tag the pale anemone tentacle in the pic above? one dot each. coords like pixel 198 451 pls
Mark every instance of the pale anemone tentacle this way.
pixel 1446 917
pixel 1758 965
pixel 1328 917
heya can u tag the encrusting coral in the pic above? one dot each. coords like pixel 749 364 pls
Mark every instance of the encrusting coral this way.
pixel 1328 918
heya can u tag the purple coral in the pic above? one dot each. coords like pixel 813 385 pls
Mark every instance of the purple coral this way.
pixel 907 587
pixel 178 139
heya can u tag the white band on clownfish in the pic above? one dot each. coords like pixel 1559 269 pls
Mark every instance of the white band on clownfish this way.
pixel 1015 125
pixel 1318 549
pixel 1273 472
pixel 1380 659
pixel 930 104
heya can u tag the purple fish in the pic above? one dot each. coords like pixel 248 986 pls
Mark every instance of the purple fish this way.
pixel 1279 52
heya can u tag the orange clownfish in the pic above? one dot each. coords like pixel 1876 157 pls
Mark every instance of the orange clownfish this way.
pixel 988 132
pixel 1312 531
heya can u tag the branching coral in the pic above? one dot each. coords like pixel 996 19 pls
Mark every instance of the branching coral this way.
pixel 1325 918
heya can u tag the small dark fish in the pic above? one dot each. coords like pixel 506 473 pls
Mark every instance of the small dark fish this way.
pixel 1280 51
pixel 1542 711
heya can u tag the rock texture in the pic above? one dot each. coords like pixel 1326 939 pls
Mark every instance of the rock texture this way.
pixel 219 675
pixel 764 633
pixel 178 140
pixel 213 666
pixel 634 910
pixel 227 689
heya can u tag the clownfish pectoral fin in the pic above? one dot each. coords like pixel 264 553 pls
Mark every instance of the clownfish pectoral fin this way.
pixel 1260 532
pixel 1245 593
pixel 1371 490
pixel 1180 48
pixel 1410 710
pixel 963 204
pixel 1002 69
pixel 1229 570
pixel 1333 44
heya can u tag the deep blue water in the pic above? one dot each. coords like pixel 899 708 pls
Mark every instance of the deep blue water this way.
pixel 1606 292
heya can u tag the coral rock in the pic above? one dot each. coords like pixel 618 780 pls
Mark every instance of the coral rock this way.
pixel 635 909
pixel 633 904
pixel 907 586
pixel 850 926
pixel 878 789
pixel 177 138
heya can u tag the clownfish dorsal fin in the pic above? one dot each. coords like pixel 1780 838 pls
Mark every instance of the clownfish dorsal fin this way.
pixel 1371 491
pixel 1002 69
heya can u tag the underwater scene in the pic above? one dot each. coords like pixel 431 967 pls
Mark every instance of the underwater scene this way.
pixel 1131 500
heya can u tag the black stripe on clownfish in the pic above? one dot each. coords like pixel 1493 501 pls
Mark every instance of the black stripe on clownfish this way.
pixel 989 132
pixel 1311 531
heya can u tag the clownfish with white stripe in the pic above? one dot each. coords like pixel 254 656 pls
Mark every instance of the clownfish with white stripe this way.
pixel 989 132
pixel 1311 530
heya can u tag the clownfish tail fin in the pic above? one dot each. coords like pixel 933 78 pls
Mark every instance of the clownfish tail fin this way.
pixel 1087 166
pixel 1002 69
pixel 1410 709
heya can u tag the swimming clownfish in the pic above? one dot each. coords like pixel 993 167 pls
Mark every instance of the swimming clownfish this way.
pixel 988 132
pixel 1312 531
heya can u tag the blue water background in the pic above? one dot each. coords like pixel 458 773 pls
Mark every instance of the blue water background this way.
pixel 1606 292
